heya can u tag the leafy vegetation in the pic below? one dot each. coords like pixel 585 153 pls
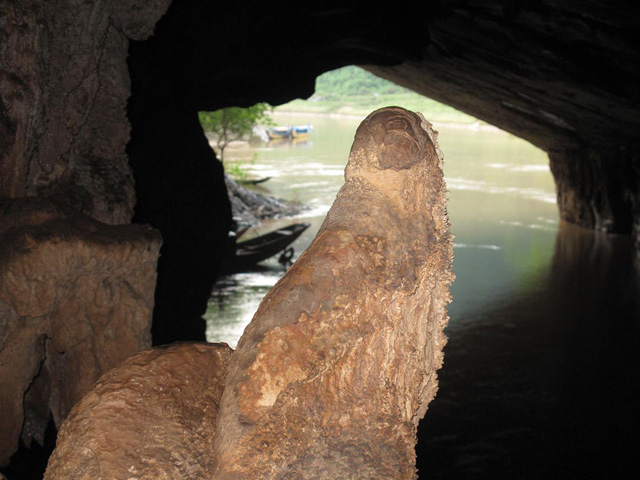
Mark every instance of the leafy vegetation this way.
pixel 354 91
pixel 231 124
pixel 240 172
pixel 354 81
pixel 348 91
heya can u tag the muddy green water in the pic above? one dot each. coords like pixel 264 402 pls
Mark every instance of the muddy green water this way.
pixel 543 337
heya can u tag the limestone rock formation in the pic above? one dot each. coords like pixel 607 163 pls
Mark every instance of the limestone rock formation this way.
pixel 64 86
pixel 76 298
pixel 339 363
pixel 151 418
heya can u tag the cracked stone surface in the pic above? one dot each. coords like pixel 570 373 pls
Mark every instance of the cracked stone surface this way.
pixel 76 298
pixel 151 418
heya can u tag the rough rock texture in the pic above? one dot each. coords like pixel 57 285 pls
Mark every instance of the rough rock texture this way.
pixel 561 74
pixel 152 417
pixel 594 195
pixel 64 86
pixel 75 300
pixel 339 363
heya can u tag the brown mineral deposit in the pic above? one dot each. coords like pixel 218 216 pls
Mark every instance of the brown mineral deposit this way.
pixel 151 418
pixel 76 298
pixel 339 363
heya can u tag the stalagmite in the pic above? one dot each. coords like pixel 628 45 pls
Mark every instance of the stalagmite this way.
pixel 152 417
pixel 335 370
pixel 339 363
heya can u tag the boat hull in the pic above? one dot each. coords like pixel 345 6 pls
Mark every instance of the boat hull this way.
pixel 246 255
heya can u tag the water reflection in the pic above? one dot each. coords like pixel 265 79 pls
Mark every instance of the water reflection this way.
pixel 541 384
pixel 286 143
pixel 236 299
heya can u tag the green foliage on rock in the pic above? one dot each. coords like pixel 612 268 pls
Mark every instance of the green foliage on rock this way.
pixel 234 123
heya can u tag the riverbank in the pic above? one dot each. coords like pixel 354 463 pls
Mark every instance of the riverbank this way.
pixel 353 92
pixel 439 121
pixel 360 106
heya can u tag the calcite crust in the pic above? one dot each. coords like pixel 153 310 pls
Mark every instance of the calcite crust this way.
pixel 338 365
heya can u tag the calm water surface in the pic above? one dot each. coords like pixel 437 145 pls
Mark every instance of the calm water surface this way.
pixel 542 359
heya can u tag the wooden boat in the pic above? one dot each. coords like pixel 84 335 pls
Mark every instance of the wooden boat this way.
pixel 256 181
pixel 241 230
pixel 279 132
pixel 245 255
pixel 301 131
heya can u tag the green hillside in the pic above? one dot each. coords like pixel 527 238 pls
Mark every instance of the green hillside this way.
pixel 354 82
pixel 354 91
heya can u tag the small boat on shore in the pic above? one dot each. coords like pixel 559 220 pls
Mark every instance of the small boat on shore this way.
pixel 256 181
pixel 245 255
pixel 279 132
pixel 299 131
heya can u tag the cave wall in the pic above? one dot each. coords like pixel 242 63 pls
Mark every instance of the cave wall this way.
pixel 180 191
pixel 76 297
pixel 561 76
pixel 76 287
pixel 65 85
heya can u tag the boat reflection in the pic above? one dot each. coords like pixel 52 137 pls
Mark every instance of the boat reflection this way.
pixel 288 142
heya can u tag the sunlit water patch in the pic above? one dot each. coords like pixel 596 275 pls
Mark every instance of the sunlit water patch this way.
pixel 234 302
pixel 481 247
pixel 484 187
pixel 511 167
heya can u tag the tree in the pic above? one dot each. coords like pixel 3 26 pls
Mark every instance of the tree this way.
pixel 234 123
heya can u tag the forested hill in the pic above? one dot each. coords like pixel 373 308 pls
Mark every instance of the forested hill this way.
pixel 354 91
pixel 354 81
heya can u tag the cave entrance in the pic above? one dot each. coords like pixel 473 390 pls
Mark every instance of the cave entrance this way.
pixel 193 65
pixel 516 299
pixel 502 202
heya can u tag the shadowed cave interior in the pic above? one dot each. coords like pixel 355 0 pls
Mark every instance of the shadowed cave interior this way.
pixel 533 76
pixel 561 76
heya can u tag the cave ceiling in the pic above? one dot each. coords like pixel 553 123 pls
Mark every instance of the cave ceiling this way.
pixel 556 73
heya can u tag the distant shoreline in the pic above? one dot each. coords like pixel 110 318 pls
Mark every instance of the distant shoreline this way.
pixel 475 126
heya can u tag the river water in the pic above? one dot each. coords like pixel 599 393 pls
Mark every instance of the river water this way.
pixel 543 345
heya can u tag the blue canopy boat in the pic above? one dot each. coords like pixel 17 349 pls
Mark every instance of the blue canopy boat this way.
pixel 299 131
pixel 279 132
